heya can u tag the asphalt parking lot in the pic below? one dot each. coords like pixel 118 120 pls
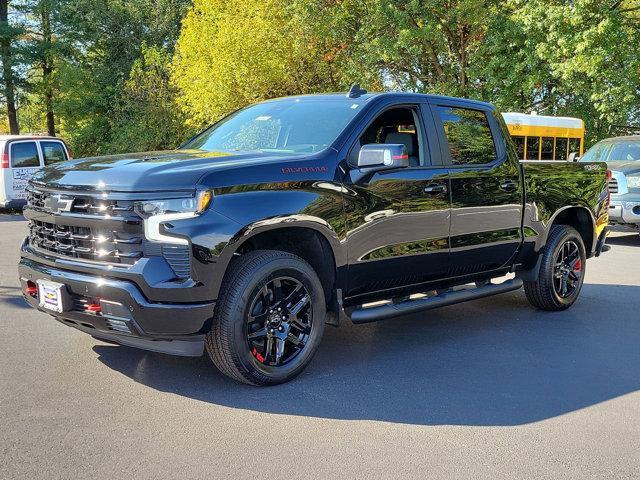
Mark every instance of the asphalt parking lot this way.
pixel 490 389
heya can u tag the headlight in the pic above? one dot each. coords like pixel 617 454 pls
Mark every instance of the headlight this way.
pixel 157 212
pixel 195 205
pixel 633 181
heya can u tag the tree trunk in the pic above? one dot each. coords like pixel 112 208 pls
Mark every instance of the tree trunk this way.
pixel 7 71
pixel 47 70
pixel 463 59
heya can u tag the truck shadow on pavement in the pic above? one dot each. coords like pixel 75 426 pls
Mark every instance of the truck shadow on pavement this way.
pixel 491 362
pixel 10 216
pixel 632 240
pixel 12 296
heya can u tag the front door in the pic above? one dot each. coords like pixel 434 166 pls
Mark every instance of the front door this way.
pixel 486 191
pixel 398 220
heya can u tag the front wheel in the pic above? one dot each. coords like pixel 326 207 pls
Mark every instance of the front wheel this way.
pixel 269 319
pixel 561 272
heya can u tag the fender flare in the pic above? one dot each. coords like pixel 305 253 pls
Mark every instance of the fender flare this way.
pixel 558 212
pixel 280 222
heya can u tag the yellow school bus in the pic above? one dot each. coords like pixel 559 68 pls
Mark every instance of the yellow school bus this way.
pixel 540 137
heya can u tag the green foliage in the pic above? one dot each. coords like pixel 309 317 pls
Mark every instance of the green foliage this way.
pixel 121 48
pixel 145 116
pixel 576 58
pixel 116 83
pixel 231 53
pixel 416 45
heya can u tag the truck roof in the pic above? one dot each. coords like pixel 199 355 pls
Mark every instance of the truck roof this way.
pixel 623 138
pixel 370 96
pixel 4 138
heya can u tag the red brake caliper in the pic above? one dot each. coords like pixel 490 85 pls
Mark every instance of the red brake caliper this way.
pixel 259 357
pixel 578 266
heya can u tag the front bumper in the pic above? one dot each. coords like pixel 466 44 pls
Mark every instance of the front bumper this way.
pixel 126 316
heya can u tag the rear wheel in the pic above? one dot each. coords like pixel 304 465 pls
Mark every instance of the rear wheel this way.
pixel 269 319
pixel 561 272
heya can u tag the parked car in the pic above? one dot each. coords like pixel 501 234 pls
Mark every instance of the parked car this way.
pixel 21 157
pixel 622 155
pixel 301 211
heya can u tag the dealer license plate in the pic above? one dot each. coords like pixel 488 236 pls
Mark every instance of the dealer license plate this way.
pixel 51 295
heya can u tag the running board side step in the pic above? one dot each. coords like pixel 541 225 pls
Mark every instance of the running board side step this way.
pixel 392 310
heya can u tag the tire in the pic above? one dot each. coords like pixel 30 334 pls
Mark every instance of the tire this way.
pixel 250 344
pixel 547 292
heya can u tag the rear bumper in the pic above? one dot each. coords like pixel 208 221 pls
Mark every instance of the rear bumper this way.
pixel 127 317
pixel 625 212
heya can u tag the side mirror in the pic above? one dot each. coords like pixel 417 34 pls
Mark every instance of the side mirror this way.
pixel 381 156
pixel 574 156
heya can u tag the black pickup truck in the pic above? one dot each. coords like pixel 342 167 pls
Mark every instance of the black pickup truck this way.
pixel 304 211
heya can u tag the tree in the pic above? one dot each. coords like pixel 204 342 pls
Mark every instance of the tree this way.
pixel 416 45
pixel 45 52
pixel 145 116
pixel 234 52
pixel 108 40
pixel 7 35
pixel 567 57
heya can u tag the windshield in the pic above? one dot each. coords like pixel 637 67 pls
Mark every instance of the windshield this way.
pixel 619 151
pixel 294 125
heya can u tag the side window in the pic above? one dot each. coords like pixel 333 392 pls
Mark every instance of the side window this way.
pixel 398 126
pixel 468 135
pixel 519 143
pixel 533 148
pixel 53 152
pixel 547 148
pixel 574 145
pixel 561 148
pixel 24 154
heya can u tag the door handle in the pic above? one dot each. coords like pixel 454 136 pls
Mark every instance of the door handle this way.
pixel 435 189
pixel 508 185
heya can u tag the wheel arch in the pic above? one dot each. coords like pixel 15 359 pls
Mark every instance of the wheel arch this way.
pixel 310 238
pixel 581 219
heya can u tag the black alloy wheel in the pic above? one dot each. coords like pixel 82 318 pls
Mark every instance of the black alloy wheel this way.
pixel 567 270
pixel 269 318
pixel 279 321
pixel 561 272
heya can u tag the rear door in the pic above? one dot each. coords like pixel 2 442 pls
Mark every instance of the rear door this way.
pixel 486 190
pixel 24 160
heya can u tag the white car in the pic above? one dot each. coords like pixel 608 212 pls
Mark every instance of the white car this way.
pixel 21 156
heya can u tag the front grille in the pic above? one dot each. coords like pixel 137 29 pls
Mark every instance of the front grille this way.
pixel 98 229
pixel 86 243
pixel 85 205
pixel 613 185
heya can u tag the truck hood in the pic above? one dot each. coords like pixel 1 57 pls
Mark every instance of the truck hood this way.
pixel 172 170
pixel 626 167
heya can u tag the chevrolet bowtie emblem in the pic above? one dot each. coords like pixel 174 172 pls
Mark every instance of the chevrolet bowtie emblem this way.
pixel 57 203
